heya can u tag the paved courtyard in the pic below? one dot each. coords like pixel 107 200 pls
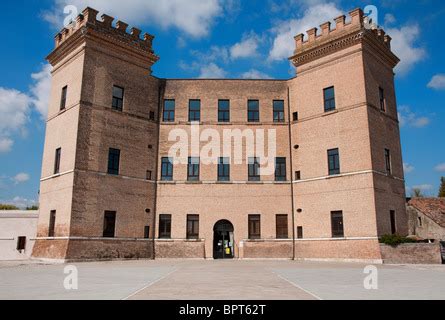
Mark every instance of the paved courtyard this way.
pixel 226 280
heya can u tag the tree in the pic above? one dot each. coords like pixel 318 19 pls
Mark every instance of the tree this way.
pixel 417 193
pixel 32 208
pixel 8 207
pixel 442 188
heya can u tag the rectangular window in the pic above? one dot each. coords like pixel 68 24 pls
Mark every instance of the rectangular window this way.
pixel 254 169
pixel 280 169
pixel 52 224
pixel 278 111
pixel 192 226
pixel 253 111
pixel 194 110
pixel 282 226
pixel 166 169
pixel 118 98
pixel 109 224
pixel 151 115
pixel 382 99
pixel 329 99
pixel 63 98
pixel 21 243
pixel 334 162
pixel 223 110
pixel 165 226
pixel 193 169
pixel 337 224
pixel 297 175
pixel 147 232
pixel 254 226
pixel 392 214
pixel 224 169
pixel 299 232
pixel 113 161
pixel 57 161
pixel 295 116
pixel 388 161
pixel 149 175
pixel 169 111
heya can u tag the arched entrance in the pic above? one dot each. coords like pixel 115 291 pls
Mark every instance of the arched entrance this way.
pixel 223 240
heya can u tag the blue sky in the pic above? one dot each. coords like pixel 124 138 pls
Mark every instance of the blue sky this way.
pixel 215 38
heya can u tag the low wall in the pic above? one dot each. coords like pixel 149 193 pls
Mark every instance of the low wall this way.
pixel 264 249
pixel 180 249
pixel 411 253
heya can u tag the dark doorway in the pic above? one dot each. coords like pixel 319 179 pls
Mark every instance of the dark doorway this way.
pixel 223 240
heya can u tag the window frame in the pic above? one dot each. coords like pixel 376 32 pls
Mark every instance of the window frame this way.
pixel 282 227
pixel 57 160
pixel 253 111
pixel 254 169
pixel 337 229
pixel 388 161
pixel 192 227
pixel 63 98
pixel 300 232
pixel 193 169
pixel 194 111
pixel 114 161
pixel 278 114
pixel 223 115
pixel 254 223
pixel 335 158
pixel 224 169
pixel 21 243
pixel 166 167
pixel 147 232
pixel 117 103
pixel 165 226
pixel 109 229
pixel 280 169
pixel 52 224
pixel 393 221
pixel 329 102
pixel 168 115
pixel 382 99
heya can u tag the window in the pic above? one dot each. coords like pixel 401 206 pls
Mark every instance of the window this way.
pixel 382 99
pixel 21 243
pixel 118 98
pixel 149 175
pixel 169 111
pixel 254 169
pixel 253 111
pixel 57 161
pixel 192 226
pixel 113 161
pixel 194 110
pixel 297 175
pixel 52 224
pixel 278 111
pixel 166 169
pixel 224 169
pixel 392 215
pixel 329 99
pixel 63 98
pixel 109 224
pixel 223 111
pixel 282 226
pixel 193 169
pixel 295 116
pixel 280 169
pixel 388 161
pixel 147 232
pixel 337 224
pixel 151 115
pixel 334 162
pixel 419 221
pixel 165 226
pixel 254 226
pixel 299 232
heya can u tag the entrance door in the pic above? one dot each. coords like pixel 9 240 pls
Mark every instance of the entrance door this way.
pixel 223 240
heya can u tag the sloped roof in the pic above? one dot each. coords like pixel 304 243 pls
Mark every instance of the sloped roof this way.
pixel 434 208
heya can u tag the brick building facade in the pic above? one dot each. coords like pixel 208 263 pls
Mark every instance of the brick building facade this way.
pixel 109 189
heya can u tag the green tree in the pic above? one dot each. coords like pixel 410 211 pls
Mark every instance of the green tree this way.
pixel 32 208
pixel 442 188
pixel 8 207
pixel 417 193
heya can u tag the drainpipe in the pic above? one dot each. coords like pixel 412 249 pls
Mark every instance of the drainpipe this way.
pixel 291 172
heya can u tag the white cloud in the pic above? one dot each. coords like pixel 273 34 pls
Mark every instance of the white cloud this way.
pixel 246 48
pixel 5 144
pixel 410 119
pixel 212 71
pixel 440 167
pixel 193 17
pixel 407 168
pixel 285 31
pixel 437 82
pixel 389 19
pixel 255 74
pixel 20 178
pixel 20 202
pixel 41 89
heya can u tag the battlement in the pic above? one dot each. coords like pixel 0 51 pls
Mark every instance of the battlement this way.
pixel 88 19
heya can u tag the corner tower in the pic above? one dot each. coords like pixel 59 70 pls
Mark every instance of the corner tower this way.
pixel 97 189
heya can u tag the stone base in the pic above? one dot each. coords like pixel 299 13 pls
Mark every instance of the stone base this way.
pixel 412 253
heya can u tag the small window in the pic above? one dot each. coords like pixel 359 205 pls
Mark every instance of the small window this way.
pixel 165 226
pixel 419 220
pixel 254 226
pixel 113 161
pixel 253 111
pixel 295 116
pixel 57 161
pixel 152 115
pixel 254 169
pixel 382 99
pixel 118 98
pixel 224 111
pixel 192 226
pixel 193 169
pixel 280 169
pixel 63 98
pixel 388 161
pixel 52 224
pixel 334 162
pixel 224 169
pixel 337 224
pixel 194 110
pixel 392 216
pixel 166 169
pixel 282 226
pixel 297 175
pixel 299 232
pixel 21 243
pixel 169 111
pixel 147 232
pixel 278 111
pixel 329 99
pixel 109 224
pixel 149 175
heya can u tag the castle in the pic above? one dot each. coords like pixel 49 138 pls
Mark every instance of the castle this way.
pixel 110 190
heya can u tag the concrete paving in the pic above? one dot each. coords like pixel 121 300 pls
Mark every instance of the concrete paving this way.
pixel 219 280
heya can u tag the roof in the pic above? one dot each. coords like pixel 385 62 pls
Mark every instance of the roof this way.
pixel 434 208
pixel 4 214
